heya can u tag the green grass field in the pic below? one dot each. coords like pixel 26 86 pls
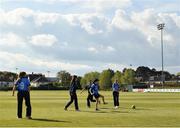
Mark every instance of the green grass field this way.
pixel 153 110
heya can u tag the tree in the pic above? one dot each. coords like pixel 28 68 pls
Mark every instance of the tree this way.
pixel 65 78
pixel 105 79
pixel 83 82
pixel 167 75
pixel 117 76
pixel 7 76
pixel 128 77
pixel 89 76
pixel 144 72
pixel 178 74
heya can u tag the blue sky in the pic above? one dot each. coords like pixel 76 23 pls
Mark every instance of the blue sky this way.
pixel 88 35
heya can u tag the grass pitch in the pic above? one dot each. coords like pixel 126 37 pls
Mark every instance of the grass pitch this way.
pixel 152 110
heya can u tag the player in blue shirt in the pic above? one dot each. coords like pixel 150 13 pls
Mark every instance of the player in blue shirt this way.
pixel 90 96
pixel 73 95
pixel 115 88
pixel 23 87
pixel 95 92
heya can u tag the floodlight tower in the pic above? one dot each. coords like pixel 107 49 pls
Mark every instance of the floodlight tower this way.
pixel 161 27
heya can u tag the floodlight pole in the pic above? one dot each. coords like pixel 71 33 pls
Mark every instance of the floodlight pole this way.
pixel 16 72
pixel 160 27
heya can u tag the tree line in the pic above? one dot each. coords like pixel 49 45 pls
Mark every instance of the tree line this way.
pixel 127 76
pixel 108 76
pixel 7 76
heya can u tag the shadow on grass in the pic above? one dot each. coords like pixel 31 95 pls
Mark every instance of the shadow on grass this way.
pixel 137 108
pixel 124 107
pixel 50 120
pixel 94 111
pixel 114 111
pixel 143 109
pixel 119 112
pixel 104 112
pixel 106 108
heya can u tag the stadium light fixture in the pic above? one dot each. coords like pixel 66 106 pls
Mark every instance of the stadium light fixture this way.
pixel 161 27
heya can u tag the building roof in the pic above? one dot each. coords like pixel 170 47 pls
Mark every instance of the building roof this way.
pixel 52 79
pixel 40 79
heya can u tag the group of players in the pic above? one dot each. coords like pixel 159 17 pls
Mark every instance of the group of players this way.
pixel 93 91
pixel 23 87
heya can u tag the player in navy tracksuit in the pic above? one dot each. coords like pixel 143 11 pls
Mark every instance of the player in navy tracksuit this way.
pixel 115 88
pixel 90 96
pixel 73 95
pixel 23 87
pixel 95 92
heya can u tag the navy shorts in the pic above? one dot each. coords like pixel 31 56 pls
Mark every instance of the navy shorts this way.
pixel 96 95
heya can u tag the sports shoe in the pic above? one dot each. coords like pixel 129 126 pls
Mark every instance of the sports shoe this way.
pixel 97 109
pixel 116 107
pixel 105 103
pixel 65 109
pixel 29 117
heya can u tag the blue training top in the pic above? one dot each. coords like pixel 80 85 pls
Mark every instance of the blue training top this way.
pixel 115 87
pixel 22 84
pixel 94 89
pixel 73 87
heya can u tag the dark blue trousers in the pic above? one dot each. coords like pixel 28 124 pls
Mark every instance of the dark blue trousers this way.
pixel 20 96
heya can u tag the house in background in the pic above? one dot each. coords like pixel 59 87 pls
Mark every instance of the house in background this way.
pixel 40 79
pixel 6 83
pixel 53 79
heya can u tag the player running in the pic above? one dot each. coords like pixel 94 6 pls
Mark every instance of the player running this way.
pixel 90 96
pixel 73 95
pixel 95 92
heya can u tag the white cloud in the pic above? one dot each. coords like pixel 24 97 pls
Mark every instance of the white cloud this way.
pixel 62 65
pixel 20 16
pixel 92 49
pixel 42 18
pixel 97 5
pixel 123 38
pixel 122 20
pixel 11 40
pixel 15 17
pixel 101 5
pixel 92 23
pixel 101 49
pixel 110 49
pixel 43 40
pixel 145 22
pixel 24 62
pixel 115 66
